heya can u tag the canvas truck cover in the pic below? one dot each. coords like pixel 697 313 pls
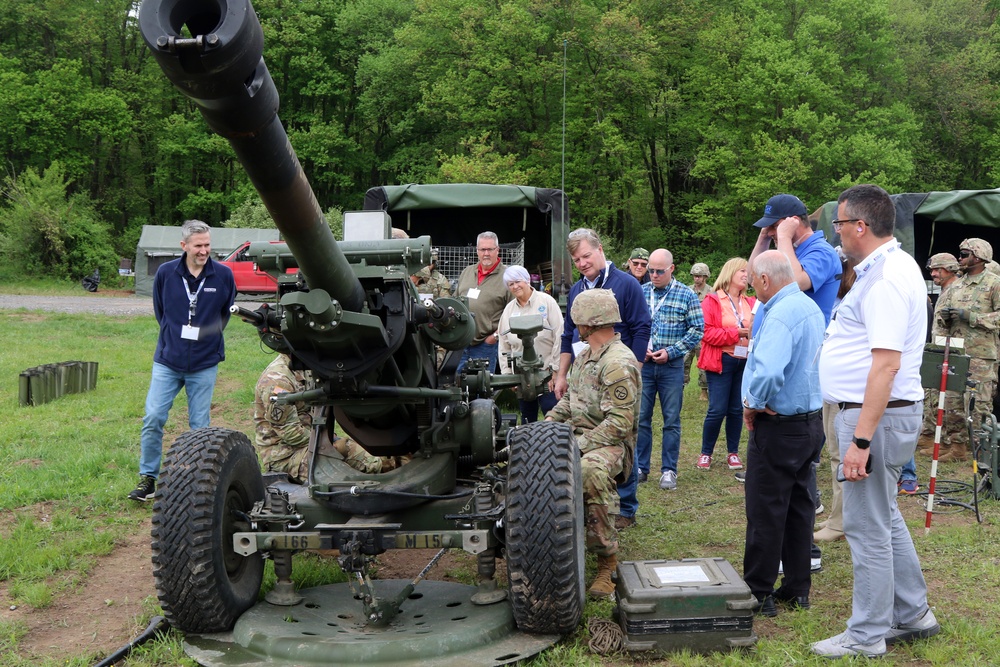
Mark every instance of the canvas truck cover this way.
pixel 937 221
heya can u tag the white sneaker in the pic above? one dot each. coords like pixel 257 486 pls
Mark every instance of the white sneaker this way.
pixel 843 644
pixel 815 565
pixel 820 509
pixel 925 626
pixel 668 480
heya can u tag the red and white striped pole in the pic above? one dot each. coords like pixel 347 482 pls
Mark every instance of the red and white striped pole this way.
pixel 937 436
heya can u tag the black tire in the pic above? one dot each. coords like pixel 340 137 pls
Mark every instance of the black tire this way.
pixel 544 530
pixel 210 479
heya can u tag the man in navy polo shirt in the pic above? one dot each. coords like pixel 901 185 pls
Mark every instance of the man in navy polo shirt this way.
pixel 191 300
pixel 596 271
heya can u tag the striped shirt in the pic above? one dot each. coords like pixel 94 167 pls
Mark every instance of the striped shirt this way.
pixel 678 323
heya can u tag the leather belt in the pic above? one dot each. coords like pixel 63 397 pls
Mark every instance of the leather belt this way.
pixel 890 404
pixel 798 417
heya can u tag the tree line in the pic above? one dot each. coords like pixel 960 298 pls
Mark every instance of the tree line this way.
pixel 668 122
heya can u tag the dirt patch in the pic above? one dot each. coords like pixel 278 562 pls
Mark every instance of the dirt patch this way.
pixel 97 618
pixel 456 566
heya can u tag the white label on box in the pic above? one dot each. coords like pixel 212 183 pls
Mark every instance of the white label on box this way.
pixel 684 574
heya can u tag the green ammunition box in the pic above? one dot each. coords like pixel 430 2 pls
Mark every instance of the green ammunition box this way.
pixel 699 604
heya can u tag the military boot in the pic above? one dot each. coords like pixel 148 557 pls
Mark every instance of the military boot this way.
pixel 957 452
pixel 603 586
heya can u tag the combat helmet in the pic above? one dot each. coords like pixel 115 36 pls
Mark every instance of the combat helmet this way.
pixel 943 260
pixel 595 308
pixel 700 269
pixel 979 248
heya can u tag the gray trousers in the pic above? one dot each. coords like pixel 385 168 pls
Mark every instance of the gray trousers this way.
pixel 888 586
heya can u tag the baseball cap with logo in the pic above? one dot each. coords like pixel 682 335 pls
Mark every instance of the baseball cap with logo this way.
pixel 779 207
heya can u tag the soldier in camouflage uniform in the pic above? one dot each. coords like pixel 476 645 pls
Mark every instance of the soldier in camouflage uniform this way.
pixel 701 273
pixel 944 272
pixel 431 281
pixel 602 406
pixel 971 310
pixel 283 430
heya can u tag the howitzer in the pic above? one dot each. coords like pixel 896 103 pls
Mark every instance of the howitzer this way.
pixel 352 317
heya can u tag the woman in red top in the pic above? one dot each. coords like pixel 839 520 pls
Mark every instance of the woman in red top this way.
pixel 728 315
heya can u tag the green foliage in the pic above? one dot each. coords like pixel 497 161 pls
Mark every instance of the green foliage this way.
pixel 46 231
pixel 681 118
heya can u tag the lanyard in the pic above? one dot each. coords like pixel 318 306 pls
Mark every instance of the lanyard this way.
pixel 655 309
pixel 737 313
pixel 192 298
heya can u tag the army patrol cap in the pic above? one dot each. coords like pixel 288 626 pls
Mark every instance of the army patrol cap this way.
pixel 943 260
pixel 979 248
pixel 700 269
pixel 639 253
pixel 595 308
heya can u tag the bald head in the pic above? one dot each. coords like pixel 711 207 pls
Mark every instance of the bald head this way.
pixel 662 256
pixel 661 267
pixel 771 271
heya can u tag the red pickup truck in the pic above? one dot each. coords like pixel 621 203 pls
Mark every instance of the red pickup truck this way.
pixel 249 279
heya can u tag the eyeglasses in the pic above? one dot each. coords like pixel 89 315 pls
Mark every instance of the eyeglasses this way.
pixel 636 262
pixel 837 224
pixel 494 249
pixel 964 253
pixel 657 272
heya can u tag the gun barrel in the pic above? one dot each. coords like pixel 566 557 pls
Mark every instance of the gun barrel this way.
pixel 221 69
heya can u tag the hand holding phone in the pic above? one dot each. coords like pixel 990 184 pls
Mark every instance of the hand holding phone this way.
pixel 840 469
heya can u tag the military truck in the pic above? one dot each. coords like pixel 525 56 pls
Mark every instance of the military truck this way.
pixel 351 316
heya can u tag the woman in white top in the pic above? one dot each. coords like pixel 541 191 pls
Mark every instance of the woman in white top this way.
pixel 529 301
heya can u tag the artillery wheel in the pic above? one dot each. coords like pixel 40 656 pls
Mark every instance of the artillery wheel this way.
pixel 544 528
pixel 210 480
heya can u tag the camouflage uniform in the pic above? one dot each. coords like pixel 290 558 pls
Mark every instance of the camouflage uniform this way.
pixel 602 406
pixel 979 296
pixel 433 282
pixel 283 430
pixel 699 269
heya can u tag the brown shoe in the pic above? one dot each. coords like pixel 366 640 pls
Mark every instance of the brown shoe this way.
pixel 603 586
pixel 704 395
pixel 827 534
pixel 623 522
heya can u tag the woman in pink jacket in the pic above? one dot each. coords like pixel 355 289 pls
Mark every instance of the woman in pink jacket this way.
pixel 728 315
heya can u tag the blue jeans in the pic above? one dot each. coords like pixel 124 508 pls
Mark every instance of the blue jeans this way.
pixel 164 386
pixel 529 409
pixel 667 381
pixel 888 584
pixel 909 471
pixel 480 351
pixel 724 402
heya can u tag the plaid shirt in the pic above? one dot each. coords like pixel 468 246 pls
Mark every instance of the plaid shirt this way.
pixel 678 323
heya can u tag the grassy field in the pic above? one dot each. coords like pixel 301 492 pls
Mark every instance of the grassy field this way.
pixel 73 461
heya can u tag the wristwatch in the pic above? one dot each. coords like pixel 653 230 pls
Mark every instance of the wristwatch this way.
pixel 861 443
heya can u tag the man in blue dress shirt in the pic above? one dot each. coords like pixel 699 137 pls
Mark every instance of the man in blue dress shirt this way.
pixel 783 414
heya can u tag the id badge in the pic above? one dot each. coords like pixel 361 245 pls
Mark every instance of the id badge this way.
pixel 578 348
pixel 473 293
pixel 189 332
pixel 741 351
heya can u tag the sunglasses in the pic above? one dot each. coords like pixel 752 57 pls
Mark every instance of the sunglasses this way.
pixel 657 272
pixel 964 253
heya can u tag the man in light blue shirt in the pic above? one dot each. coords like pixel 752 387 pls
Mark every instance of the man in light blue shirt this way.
pixel 783 414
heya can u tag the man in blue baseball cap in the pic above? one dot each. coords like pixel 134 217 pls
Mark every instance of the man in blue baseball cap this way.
pixel 817 269
pixel 815 263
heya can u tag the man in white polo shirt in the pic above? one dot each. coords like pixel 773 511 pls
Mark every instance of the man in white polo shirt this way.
pixel 870 366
